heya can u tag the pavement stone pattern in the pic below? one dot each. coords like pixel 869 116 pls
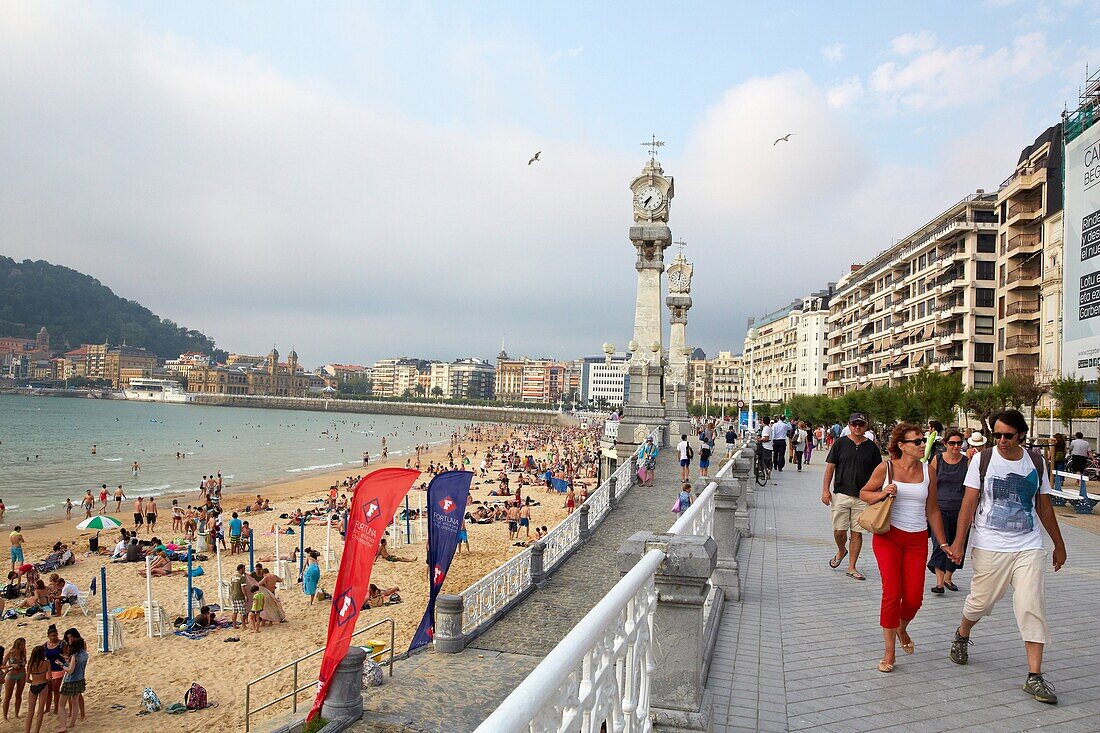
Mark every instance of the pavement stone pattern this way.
pixel 454 693
pixel 799 652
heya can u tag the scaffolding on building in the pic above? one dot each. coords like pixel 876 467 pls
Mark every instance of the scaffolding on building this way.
pixel 1088 109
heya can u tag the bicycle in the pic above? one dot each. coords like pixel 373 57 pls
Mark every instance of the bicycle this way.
pixel 762 467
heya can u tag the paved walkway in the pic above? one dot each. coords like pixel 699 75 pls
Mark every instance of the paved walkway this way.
pixel 799 652
pixel 453 693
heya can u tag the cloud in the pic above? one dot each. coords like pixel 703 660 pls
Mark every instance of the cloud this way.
pixel 566 53
pixel 833 52
pixel 844 93
pixel 936 77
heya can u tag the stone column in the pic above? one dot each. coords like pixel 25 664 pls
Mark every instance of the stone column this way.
pixel 345 693
pixel 612 498
pixel 585 532
pixel 727 534
pixel 448 624
pixel 678 695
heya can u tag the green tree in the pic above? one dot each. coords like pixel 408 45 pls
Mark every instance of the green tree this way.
pixel 437 391
pixel 1068 393
pixel 931 395
pixel 985 402
pixel 1028 390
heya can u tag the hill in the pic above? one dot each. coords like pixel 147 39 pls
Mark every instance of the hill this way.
pixel 78 309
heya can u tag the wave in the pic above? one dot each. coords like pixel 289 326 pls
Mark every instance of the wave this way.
pixel 44 508
pixel 320 449
pixel 313 468
pixel 161 487
pixel 112 460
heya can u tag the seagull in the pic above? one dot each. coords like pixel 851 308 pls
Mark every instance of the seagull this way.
pixel 785 139
pixel 535 158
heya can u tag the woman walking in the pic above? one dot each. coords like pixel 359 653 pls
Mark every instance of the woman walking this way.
pixel 950 471
pixel 902 551
pixel 647 461
pixel 808 428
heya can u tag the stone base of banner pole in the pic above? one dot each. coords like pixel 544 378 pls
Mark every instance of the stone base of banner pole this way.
pixel 448 625
pixel 345 692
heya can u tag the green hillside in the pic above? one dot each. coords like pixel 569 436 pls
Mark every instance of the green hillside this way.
pixel 78 309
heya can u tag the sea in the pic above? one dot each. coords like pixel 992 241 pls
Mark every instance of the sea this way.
pixel 46 447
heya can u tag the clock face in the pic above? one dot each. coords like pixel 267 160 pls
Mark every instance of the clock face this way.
pixel 649 198
pixel 678 280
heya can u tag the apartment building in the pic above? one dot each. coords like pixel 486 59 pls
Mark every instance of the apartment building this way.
pixel 1029 262
pixel 440 382
pixel 927 301
pixel 535 380
pixel 725 379
pixel 394 378
pixel 604 381
pixel 700 381
pixel 785 350
pixel 470 379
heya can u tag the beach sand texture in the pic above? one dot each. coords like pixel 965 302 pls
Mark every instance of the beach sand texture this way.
pixel 170 664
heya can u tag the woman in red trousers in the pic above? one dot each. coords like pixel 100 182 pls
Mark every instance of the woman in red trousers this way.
pixel 903 550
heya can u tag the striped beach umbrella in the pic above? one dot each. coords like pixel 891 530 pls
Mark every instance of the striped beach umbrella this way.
pixel 99 522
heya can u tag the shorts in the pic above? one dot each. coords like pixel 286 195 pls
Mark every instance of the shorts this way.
pixel 71 689
pixel 1077 464
pixel 511 526
pixel 138 519
pixel 846 509
pixel 462 536
pixel 684 462
pixel 150 518
pixel 704 463
pixel 238 605
pixel 524 522
pixel 994 572
pixel 17 555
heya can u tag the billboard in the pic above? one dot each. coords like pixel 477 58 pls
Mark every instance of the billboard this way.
pixel 1081 276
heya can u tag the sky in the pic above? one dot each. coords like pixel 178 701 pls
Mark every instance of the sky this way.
pixel 351 179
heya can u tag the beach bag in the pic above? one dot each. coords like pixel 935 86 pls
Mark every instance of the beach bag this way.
pixel 691 453
pixel 195 697
pixel 150 700
pixel 676 506
pixel 372 674
pixel 876 518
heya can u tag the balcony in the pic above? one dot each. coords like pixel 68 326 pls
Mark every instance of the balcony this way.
pixel 1024 277
pixel 1024 179
pixel 1022 341
pixel 1024 242
pixel 1022 310
pixel 1024 211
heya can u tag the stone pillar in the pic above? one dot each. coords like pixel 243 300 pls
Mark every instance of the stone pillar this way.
pixel 678 695
pixel 727 575
pixel 538 575
pixel 612 498
pixel 448 624
pixel 345 693
pixel 748 457
pixel 633 469
pixel 585 532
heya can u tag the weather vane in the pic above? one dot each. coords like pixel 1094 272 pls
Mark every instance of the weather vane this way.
pixel 681 244
pixel 653 144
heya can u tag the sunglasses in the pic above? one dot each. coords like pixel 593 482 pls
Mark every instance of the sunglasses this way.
pixel 914 441
pixel 954 442
pixel 857 424
pixel 1006 436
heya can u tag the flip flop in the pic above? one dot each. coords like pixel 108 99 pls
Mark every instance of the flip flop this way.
pixel 835 562
pixel 856 575
pixel 885 666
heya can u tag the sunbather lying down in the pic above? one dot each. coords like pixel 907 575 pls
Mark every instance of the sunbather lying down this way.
pixel 161 565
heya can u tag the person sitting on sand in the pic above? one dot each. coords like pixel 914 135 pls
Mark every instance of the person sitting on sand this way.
pixel 206 618
pixel 160 566
pixel 385 554
pixel 381 596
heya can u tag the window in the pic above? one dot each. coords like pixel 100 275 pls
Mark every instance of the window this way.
pixel 983 378
pixel 987 270
pixel 987 243
pixel 920 262
pixel 983 297
pixel 984 353
pixel 983 325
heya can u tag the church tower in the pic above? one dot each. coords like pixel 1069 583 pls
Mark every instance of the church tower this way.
pixel 273 362
pixel 650 236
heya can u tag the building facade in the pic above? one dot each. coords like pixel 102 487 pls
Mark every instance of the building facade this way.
pixel 785 352
pixel 927 301
pixel 470 379
pixel 725 379
pixel 604 383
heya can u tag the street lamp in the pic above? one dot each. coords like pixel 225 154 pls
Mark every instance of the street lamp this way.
pixel 752 334
pixel 608 350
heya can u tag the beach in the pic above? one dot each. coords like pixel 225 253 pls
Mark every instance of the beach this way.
pixel 170 664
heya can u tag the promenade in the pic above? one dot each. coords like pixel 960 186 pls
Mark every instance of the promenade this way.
pixel 799 652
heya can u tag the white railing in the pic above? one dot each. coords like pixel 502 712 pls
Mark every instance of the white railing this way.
pixel 598 673
pixel 486 598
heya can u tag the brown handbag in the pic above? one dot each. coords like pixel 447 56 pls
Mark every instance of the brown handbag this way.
pixel 876 518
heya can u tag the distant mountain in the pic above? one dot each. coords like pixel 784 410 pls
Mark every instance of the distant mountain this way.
pixel 78 309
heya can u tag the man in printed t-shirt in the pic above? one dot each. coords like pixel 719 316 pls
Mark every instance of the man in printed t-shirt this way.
pixel 1007 545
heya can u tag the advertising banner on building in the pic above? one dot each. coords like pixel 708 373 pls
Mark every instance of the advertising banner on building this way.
pixel 447 496
pixel 1081 320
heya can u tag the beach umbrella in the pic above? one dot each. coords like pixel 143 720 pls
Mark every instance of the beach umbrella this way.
pixel 99 523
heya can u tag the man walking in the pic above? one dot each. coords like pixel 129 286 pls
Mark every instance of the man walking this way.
pixel 851 461
pixel 683 449
pixel 766 442
pixel 780 430
pixel 731 440
pixel 1078 455
pixel 1012 486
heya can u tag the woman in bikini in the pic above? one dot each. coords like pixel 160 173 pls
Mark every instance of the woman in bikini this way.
pixel 54 649
pixel 15 673
pixel 38 700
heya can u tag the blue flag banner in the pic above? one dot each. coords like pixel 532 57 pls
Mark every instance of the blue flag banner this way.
pixel 448 494
pixel 560 485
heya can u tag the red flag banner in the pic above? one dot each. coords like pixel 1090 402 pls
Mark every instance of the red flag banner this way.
pixel 376 498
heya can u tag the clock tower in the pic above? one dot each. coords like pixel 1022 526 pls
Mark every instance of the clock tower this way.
pixel 650 236
pixel 676 375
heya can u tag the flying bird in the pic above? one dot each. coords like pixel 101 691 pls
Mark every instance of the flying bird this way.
pixel 536 157
pixel 785 139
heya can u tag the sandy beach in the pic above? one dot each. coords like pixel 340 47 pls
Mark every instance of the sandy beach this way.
pixel 170 664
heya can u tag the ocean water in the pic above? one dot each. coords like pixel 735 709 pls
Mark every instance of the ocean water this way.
pixel 46 447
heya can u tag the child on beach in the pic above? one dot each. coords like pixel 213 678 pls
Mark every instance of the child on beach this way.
pixel 257 609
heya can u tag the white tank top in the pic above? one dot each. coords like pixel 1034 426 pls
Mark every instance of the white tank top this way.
pixel 909 510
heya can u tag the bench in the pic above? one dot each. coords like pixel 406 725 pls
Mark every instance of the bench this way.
pixel 1081 500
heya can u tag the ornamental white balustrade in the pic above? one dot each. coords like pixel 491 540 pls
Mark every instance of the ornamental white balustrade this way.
pixel 601 671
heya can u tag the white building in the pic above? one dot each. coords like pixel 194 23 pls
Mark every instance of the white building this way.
pixel 786 353
pixel 603 381
pixel 440 384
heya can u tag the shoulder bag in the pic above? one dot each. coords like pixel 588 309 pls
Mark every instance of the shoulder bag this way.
pixel 876 518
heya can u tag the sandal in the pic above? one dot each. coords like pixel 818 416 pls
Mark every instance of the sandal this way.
pixel 951 586
pixel 835 562
pixel 856 575
pixel 884 666
pixel 907 648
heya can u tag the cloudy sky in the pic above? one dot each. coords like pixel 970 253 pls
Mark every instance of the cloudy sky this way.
pixel 351 178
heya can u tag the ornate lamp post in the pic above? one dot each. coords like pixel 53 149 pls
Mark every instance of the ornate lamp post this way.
pixel 752 333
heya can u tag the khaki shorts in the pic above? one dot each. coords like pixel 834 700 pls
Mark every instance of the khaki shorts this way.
pixel 845 511
pixel 994 572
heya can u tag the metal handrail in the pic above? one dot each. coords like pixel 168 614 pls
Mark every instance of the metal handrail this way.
pixel 684 523
pixel 293 694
